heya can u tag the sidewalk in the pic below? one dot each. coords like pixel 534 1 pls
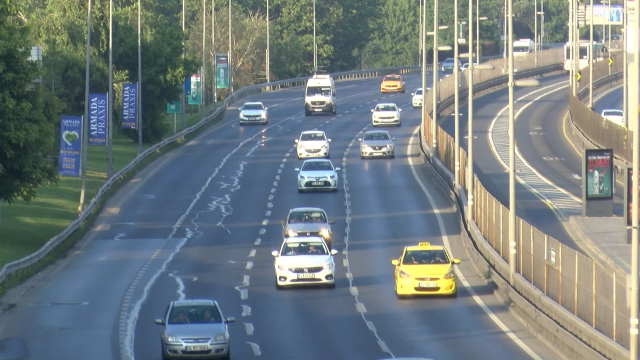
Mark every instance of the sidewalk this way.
pixel 606 239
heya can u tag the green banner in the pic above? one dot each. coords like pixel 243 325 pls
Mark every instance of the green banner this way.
pixel 196 90
pixel 173 108
pixel 222 71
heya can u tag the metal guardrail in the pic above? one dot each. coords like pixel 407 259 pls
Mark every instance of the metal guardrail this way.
pixel 38 255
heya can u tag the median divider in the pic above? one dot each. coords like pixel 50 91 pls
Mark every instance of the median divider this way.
pixel 577 309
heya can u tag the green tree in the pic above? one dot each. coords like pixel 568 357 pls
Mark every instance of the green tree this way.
pixel 29 114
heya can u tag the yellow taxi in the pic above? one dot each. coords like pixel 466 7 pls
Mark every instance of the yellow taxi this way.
pixel 425 269
pixel 392 83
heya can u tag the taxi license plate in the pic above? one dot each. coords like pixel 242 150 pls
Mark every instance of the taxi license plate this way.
pixel 197 347
pixel 427 284
pixel 317 109
pixel 317 183
pixel 306 276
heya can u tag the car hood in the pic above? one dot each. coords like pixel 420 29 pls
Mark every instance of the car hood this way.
pixel 313 174
pixel 426 270
pixel 304 260
pixel 386 113
pixel 377 142
pixel 313 144
pixel 252 112
pixel 310 227
pixel 195 330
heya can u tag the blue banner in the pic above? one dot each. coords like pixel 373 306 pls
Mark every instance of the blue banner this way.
pixel 70 145
pixel 129 105
pixel 98 119
pixel 187 86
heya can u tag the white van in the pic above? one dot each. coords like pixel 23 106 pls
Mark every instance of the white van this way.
pixel 523 47
pixel 320 95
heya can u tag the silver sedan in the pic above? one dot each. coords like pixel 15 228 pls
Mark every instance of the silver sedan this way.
pixel 317 174
pixel 194 329
pixel 377 143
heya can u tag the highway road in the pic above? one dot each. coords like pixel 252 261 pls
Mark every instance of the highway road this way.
pixel 491 154
pixel 202 221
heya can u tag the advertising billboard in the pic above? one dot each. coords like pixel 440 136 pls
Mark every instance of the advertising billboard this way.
pixel 222 71
pixel 70 145
pixel 98 119
pixel 599 173
pixel 195 97
pixel 604 14
pixel 129 106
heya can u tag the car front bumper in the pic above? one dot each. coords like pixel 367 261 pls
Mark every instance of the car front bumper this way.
pixel 369 152
pixel 289 278
pixel 253 120
pixel 417 287
pixel 394 121
pixel 179 351
pixel 312 153
pixel 416 102
pixel 323 107
pixel 313 184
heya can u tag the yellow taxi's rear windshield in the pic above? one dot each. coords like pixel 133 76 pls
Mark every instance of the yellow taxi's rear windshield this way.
pixel 392 78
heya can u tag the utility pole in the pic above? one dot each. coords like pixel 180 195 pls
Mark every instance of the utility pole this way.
pixel 470 114
pixel 535 32
pixel 203 98
pixel 182 96
pixel 424 66
pixel 591 57
pixel 315 47
pixel 83 151
pixel 625 66
pixel 139 112
pixel 230 64
pixel 110 99
pixel 213 58
pixel 456 79
pixel 434 88
pixel 512 157
pixel 267 67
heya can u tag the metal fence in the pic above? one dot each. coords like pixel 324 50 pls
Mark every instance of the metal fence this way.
pixel 589 291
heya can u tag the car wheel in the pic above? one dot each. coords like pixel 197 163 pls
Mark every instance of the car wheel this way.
pixel 299 158
pixel 300 190
pixel 399 124
pixel 334 190
pixel 228 357
pixel 393 156
pixel 454 295
pixel 278 286
pixel 335 110
pixel 361 157
pixel 328 156
pixel 164 354
pixel 398 295
pixel 307 113
pixel 332 286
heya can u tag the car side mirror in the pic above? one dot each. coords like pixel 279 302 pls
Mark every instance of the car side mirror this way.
pixel 393 139
pixel 399 109
pixel 395 262
pixel 334 252
pixel 332 222
pixel 413 94
pixel 282 222
pixel 297 170
pixel 456 261
pixel 328 140
pixel 372 110
pixel 160 321
pixel 274 253
pixel 266 108
pixel 360 139
pixel 295 141
pixel 338 169
pixel 229 320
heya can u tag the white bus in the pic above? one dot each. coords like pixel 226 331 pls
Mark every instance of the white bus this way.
pixel 599 53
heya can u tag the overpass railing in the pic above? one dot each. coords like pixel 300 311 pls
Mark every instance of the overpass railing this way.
pixel 572 290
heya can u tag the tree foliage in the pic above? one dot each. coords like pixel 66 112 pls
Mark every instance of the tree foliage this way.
pixel 28 114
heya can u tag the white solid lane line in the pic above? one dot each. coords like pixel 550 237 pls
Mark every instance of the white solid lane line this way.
pixel 463 280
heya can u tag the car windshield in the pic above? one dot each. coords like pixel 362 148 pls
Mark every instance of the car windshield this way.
pixel 195 314
pixel 313 137
pixel 448 61
pixel 299 217
pixel 317 166
pixel 304 248
pixel 392 78
pixel 252 107
pixel 376 136
pixel 386 108
pixel 418 91
pixel 612 113
pixel 319 90
pixel 419 257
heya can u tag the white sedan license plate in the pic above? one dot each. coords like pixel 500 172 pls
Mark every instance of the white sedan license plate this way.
pixel 317 183
pixel 427 284
pixel 378 154
pixel 197 348
pixel 317 109
pixel 306 276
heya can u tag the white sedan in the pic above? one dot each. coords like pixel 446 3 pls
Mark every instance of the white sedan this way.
pixel 304 261
pixel 253 113
pixel 616 116
pixel 386 114
pixel 317 174
pixel 313 144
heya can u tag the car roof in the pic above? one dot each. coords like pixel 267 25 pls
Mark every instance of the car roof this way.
pixel 253 103
pixel 611 110
pixel 303 239
pixel 306 209
pixel 449 59
pixel 424 245
pixel 192 302
pixel 312 132
pixel 386 104
pixel 317 160
pixel 393 75
pixel 377 132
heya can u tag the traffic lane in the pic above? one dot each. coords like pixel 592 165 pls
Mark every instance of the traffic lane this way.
pixel 542 141
pixel 401 215
pixel 493 176
pixel 186 262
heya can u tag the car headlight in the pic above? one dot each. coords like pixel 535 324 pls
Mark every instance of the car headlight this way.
pixel 328 266
pixel 291 233
pixel 282 267
pixel 324 146
pixel 302 177
pixel 264 114
pixel 171 339
pixel 451 274
pixel 220 337
pixel 331 177
pixel 242 116
pixel 325 233
pixel 300 147
pixel 404 275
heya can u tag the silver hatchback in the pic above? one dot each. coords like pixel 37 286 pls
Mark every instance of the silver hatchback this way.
pixel 194 329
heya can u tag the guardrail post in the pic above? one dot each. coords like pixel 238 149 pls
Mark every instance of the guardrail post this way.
pixel 546 253
pixel 501 230
pixel 575 290
pixel 520 246
pixel 593 295
pixel 531 240
pixel 560 275
pixel 614 305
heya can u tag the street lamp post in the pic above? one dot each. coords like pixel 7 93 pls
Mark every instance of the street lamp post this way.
pixel 591 58
pixel 139 112
pixel 423 37
pixel 267 57
pixel 229 62
pixel 456 106
pixel 315 48
pixel 625 68
pixel 182 96
pixel 214 91
pixel 110 99
pixel 478 19
pixel 203 70
pixel 83 150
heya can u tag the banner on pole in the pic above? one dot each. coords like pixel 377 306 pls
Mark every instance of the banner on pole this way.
pixel 222 71
pixel 98 119
pixel 604 14
pixel 173 108
pixel 70 145
pixel 129 106
pixel 195 98
pixel 187 86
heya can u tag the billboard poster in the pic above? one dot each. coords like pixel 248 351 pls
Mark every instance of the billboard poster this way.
pixel 173 107
pixel 98 119
pixel 604 14
pixel 129 106
pixel 599 173
pixel 195 98
pixel 70 145
pixel 222 71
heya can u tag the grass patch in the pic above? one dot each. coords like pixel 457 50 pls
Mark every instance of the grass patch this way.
pixel 27 226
